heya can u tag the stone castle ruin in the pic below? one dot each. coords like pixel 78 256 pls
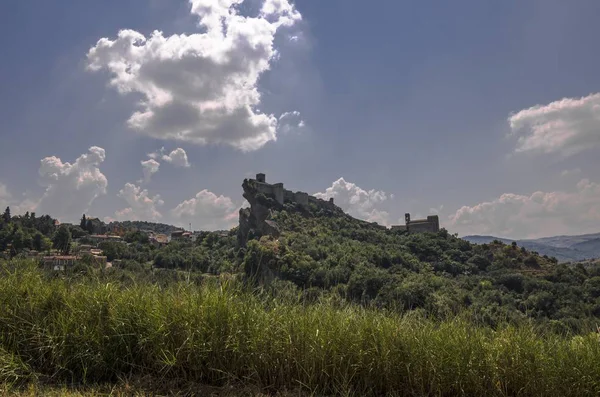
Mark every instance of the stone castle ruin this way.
pixel 431 225
pixel 257 220
pixel 282 195
pixel 262 196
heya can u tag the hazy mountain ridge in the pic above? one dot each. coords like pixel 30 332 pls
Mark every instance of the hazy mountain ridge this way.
pixel 563 248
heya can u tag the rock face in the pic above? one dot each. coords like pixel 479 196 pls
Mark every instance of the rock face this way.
pixel 255 221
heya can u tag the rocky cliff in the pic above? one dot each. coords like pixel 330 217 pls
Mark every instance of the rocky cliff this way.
pixel 256 221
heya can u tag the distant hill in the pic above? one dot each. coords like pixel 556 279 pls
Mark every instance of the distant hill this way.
pixel 143 225
pixel 563 248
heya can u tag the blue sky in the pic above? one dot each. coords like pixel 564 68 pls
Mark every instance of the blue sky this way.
pixel 485 113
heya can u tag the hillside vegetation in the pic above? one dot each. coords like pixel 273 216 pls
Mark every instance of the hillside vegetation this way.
pixel 94 330
pixel 143 225
pixel 306 300
pixel 437 274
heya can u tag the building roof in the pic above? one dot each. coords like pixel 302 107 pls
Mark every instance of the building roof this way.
pixel 105 236
pixel 60 257
pixel 161 238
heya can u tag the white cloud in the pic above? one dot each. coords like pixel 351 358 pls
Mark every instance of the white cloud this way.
pixel 149 167
pixel 290 121
pixel 177 157
pixel 141 206
pixel 566 127
pixel 540 214
pixel 200 88
pixel 207 211
pixel 436 211
pixel 281 11
pixel 573 172
pixel 357 202
pixel 71 188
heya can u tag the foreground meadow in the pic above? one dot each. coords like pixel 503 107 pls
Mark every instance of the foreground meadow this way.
pixel 94 332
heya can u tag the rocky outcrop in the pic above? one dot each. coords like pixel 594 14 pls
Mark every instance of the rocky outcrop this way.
pixel 256 221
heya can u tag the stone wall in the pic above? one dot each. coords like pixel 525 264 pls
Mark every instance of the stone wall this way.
pixel 278 192
pixel 301 198
pixel 421 227
pixel 321 203
pixel 288 195
pixel 282 195
pixel 275 190
pixel 431 225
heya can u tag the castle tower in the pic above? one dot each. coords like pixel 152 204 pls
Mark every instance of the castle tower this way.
pixel 261 178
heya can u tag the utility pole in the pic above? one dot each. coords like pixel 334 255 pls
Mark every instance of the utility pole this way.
pixel 190 255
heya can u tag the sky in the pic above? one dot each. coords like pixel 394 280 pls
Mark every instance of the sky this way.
pixel 484 113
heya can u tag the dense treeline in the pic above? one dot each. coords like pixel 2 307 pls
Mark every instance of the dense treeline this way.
pixel 211 253
pixel 144 225
pixel 437 274
pixel 18 233
pixel 329 253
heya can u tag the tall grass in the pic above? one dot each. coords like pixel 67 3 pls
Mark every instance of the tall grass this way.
pixel 218 334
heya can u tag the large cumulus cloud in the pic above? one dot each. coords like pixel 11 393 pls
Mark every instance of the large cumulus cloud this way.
pixel 565 127
pixel 141 206
pixel 200 88
pixel 360 203
pixel 206 211
pixel 71 188
pixel 536 215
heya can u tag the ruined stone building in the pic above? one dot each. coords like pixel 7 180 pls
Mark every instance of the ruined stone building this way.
pixel 283 195
pixel 431 224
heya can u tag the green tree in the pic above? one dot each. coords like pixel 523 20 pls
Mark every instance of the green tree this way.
pixel 37 241
pixel 136 237
pixel 89 226
pixel 6 216
pixel 77 232
pixel 41 243
pixel 113 250
pixel 62 240
pixel 83 223
pixel 20 240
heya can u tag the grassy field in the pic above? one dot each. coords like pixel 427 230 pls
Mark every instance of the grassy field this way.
pixel 98 332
